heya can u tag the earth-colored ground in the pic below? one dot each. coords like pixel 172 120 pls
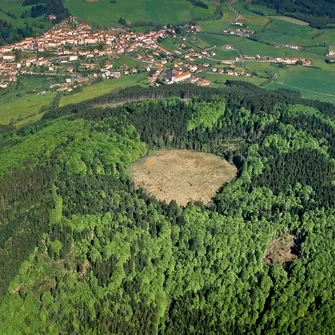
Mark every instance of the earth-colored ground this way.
pixel 281 250
pixel 181 175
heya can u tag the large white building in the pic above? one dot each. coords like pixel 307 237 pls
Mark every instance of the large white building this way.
pixel 180 77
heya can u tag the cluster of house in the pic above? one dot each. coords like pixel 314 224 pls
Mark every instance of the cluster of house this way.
pixel 68 44
pixel 292 61
pixel 331 53
pixel 291 46
pixel 239 32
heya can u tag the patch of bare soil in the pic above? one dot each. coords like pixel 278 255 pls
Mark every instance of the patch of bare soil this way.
pixel 181 175
pixel 281 250
pixel 93 0
pixel 85 267
pixel 17 290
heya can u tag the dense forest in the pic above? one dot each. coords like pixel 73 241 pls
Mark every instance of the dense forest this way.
pixel 10 34
pixel 317 13
pixel 83 251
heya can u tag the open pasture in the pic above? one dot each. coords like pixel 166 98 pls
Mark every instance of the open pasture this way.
pixel 262 10
pixel 291 20
pixel 199 42
pixel 217 39
pixel 273 36
pixel 217 78
pixel 169 44
pixel 222 54
pixel 214 25
pixel 253 20
pixel 104 87
pixel 289 28
pixel 19 110
pixel 312 83
pixel 106 13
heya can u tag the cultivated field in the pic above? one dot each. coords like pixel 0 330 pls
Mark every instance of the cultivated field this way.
pixel 181 175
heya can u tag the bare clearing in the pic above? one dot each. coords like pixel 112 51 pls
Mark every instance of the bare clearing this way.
pixel 281 250
pixel 181 175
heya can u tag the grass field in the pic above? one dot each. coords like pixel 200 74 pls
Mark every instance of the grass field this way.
pixel 168 44
pixel 104 13
pixel 221 78
pixel 312 83
pixel 291 20
pixel 181 175
pixel 199 42
pixel 263 10
pixel 213 25
pixel 21 104
pixel 260 68
pixel 126 60
pixel 291 31
pixel 274 36
pixel 222 54
pixel 251 19
pixel 218 40
pixel 20 110
pixel 104 87
pixel 289 28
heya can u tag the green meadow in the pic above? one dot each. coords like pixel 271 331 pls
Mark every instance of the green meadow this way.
pixel 214 25
pixel 292 20
pixel 312 83
pixel 263 10
pixel 104 87
pixel 222 78
pixel 169 44
pixel 105 13
pixel 22 103
pixel 19 110
pixel 253 20
pixel 222 54
pixel 21 106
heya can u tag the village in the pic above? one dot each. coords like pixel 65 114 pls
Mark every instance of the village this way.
pixel 81 55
